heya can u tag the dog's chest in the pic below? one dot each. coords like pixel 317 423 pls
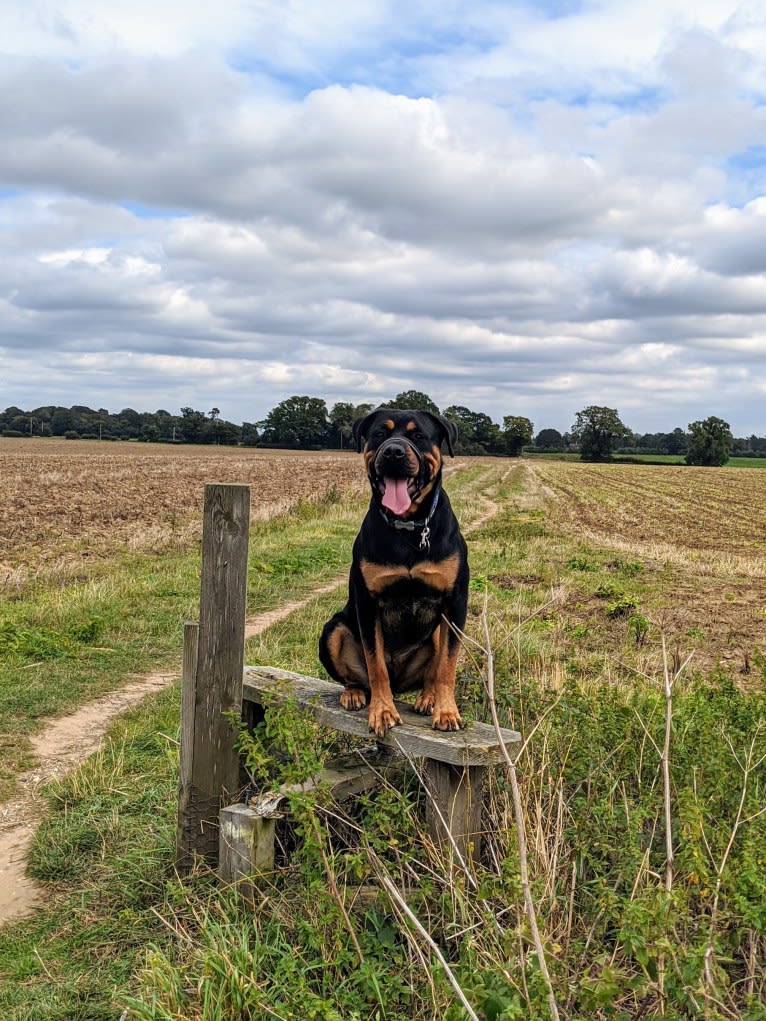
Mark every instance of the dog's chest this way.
pixel 432 578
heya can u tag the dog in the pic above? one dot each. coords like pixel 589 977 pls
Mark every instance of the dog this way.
pixel 408 582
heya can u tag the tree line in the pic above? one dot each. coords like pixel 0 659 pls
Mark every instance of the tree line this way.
pixel 305 422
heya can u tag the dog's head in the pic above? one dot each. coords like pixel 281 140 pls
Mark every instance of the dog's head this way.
pixel 403 454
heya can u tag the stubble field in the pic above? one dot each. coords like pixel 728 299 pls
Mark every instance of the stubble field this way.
pixel 695 538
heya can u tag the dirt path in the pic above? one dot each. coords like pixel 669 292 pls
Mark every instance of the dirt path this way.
pixel 68 741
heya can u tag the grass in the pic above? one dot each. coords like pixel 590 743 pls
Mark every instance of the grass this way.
pixel 579 672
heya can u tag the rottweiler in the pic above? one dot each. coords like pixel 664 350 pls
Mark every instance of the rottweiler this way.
pixel 408 581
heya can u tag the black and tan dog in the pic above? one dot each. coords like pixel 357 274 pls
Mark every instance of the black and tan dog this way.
pixel 409 577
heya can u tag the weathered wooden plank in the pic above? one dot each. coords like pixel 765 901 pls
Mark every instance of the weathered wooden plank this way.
pixel 212 762
pixel 476 745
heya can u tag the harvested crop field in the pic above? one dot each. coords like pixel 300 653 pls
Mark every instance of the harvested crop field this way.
pixel 65 499
pixel 697 536
pixel 705 514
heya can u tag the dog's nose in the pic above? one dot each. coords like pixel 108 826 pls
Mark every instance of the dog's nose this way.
pixel 396 450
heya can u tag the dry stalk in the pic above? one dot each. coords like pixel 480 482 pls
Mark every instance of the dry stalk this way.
pixel 520 828
pixel 740 820
pixel 669 682
pixel 330 873
pixel 401 904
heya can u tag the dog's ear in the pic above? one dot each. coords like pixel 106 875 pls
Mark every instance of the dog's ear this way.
pixel 448 429
pixel 361 427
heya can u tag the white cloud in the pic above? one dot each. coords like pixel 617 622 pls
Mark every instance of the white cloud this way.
pixel 226 205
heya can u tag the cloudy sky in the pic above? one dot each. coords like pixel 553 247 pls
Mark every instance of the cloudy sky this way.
pixel 525 208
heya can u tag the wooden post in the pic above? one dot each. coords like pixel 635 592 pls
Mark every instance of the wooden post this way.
pixel 453 809
pixel 246 844
pixel 213 670
pixel 247 831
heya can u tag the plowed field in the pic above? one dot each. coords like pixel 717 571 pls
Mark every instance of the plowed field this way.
pixel 63 500
pixel 709 515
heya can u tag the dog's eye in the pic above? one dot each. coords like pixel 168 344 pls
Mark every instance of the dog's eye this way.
pixel 418 435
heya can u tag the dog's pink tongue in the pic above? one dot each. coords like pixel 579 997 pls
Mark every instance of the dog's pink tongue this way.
pixel 395 496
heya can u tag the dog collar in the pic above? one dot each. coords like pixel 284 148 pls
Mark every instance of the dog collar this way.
pixel 410 526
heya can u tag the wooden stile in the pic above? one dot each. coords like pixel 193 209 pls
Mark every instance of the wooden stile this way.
pixel 454 763
pixel 218 691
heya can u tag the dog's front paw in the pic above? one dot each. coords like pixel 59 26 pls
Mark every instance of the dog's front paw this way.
pixel 353 698
pixel 382 716
pixel 447 718
pixel 424 703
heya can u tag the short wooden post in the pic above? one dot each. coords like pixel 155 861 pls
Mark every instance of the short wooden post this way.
pixel 248 831
pixel 213 670
pixel 453 808
pixel 247 843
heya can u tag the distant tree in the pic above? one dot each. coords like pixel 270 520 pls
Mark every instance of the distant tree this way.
pixel 597 430
pixel 343 414
pixel 150 433
pixel 710 442
pixel 11 414
pixel 43 416
pixel 675 442
pixel 297 422
pixel 341 419
pixel 129 424
pixel 21 423
pixel 215 424
pixel 412 400
pixel 549 439
pixel 226 433
pixel 192 425
pixel 517 432
pixel 250 434
pixel 476 432
pixel 61 421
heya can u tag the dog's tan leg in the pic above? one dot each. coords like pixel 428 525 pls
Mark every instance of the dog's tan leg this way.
pixel 349 662
pixel 382 714
pixel 425 701
pixel 439 687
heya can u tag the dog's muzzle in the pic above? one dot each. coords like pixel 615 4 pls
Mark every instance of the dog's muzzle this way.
pixel 398 467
